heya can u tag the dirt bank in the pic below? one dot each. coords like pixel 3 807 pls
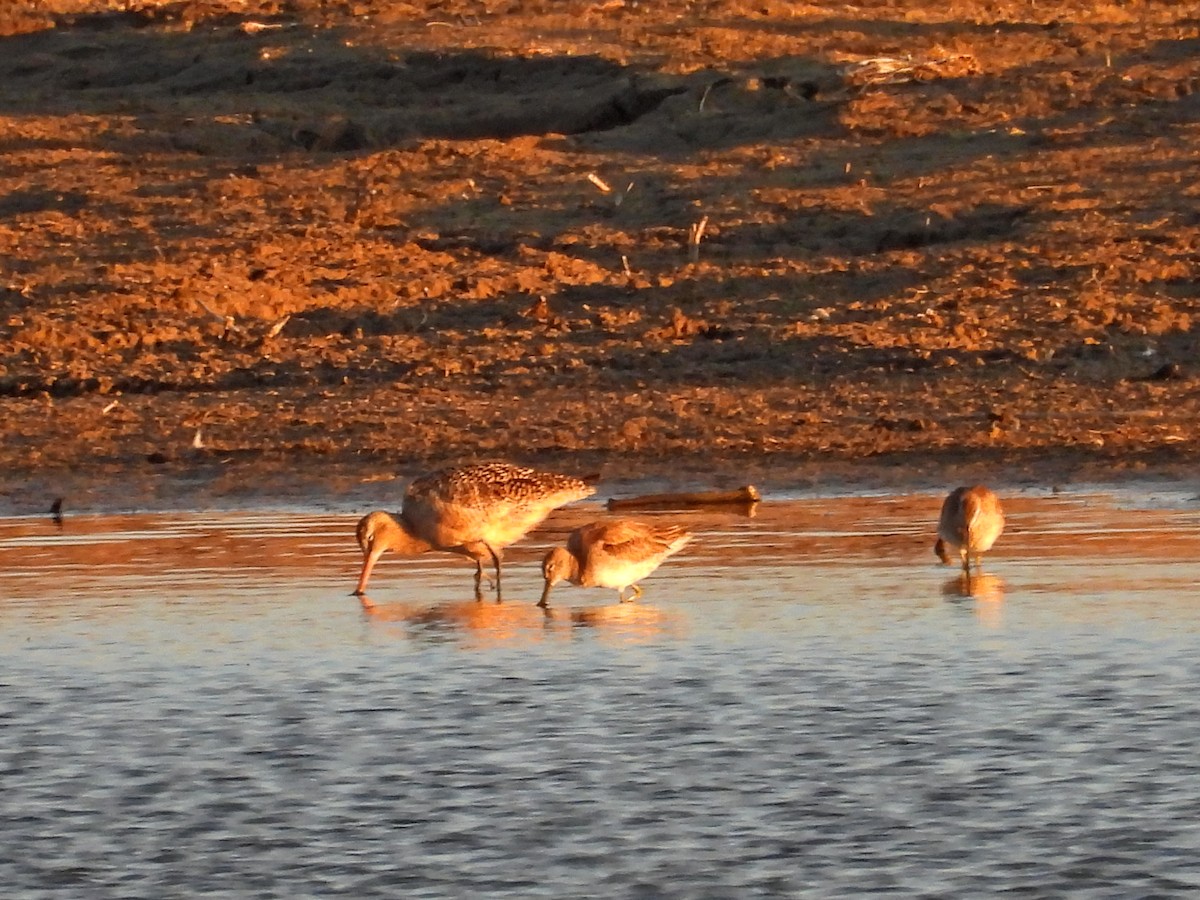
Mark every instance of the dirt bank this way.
pixel 303 250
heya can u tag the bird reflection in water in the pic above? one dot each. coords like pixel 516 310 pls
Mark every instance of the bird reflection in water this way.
pixel 483 625
pixel 633 621
pixel 986 590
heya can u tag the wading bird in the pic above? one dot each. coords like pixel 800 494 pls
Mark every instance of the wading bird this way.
pixel 971 521
pixel 615 554
pixel 475 511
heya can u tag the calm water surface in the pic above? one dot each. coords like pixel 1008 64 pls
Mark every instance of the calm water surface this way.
pixel 803 704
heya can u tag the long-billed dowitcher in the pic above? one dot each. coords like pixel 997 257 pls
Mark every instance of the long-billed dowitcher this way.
pixel 971 521
pixel 614 554
pixel 474 510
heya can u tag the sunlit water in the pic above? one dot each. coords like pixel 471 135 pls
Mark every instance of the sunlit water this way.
pixel 803 704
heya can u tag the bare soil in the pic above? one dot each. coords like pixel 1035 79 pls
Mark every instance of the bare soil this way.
pixel 292 249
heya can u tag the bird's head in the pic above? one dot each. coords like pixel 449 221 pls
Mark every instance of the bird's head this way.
pixel 558 565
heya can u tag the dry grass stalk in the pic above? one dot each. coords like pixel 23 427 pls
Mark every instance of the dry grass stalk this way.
pixel 229 322
pixel 897 70
pixel 259 27
pixel 695 234
pixel 278 326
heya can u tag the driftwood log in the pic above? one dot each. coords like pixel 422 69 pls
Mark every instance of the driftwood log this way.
pixel 741 497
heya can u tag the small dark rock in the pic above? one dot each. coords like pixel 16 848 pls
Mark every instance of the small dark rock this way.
pixel 1166 372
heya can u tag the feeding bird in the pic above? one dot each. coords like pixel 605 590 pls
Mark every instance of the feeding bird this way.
pixel 971 521
pixel 474 510
pixel 613 554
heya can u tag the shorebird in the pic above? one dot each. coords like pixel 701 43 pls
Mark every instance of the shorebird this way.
pixel 614 554
pixel 475 511
pixel 971 521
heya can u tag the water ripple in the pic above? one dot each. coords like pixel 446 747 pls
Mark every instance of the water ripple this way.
pixel 831 724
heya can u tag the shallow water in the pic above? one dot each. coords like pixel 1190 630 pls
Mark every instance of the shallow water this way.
pixel 804 703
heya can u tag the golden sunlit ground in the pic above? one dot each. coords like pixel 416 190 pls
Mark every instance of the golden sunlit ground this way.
pixel 357 237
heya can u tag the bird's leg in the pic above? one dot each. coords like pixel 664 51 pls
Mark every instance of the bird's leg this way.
pixel 634 593
pixel 481 553
pixel 496 563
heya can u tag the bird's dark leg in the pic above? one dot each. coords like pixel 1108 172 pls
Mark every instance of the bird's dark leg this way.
pixel 496 563
pixel 479 579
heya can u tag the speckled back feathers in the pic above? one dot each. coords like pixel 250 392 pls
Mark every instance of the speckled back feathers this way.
pixel 484 485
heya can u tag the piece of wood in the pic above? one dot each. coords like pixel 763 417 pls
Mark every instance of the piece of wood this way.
pixel 745 495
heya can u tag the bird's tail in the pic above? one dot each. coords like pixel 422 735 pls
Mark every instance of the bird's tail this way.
pixel 676 539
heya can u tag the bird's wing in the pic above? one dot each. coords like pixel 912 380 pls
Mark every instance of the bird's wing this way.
pixel 496 486
pixel 629 539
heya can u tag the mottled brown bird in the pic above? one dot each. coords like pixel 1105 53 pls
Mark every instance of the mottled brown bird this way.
pixel 613 554
pixel 971 521
pixel 475 511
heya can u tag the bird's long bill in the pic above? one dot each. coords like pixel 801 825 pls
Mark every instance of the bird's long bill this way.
pixel 545 601
pixel 369 560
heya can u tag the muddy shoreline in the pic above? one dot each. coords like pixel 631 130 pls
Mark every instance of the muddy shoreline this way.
pixel 204 482
pixel 296 256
